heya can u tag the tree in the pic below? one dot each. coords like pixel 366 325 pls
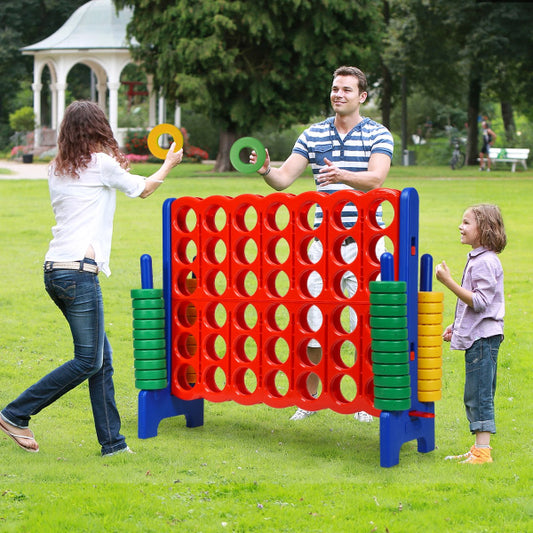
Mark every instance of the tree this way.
pixel 463 49
pixel 23 22
pixel 247 63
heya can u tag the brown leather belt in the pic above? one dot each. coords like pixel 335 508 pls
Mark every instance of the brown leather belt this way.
pixel 82 266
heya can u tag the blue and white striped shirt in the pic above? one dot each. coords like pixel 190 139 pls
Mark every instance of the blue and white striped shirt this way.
pixel 351 153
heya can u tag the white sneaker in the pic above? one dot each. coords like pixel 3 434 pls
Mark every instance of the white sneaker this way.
pixel 363 417
pixel 127 449
pixel 301 414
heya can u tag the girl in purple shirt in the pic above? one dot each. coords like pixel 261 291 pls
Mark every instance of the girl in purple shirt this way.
pixel 478 323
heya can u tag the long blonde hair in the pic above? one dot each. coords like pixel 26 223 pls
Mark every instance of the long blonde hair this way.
pixel 84 131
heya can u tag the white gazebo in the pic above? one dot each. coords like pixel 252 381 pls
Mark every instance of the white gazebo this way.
pixel 95 35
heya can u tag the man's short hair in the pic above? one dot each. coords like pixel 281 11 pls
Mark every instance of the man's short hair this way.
pixel 353 71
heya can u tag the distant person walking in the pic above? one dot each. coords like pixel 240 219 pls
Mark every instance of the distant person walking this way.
pixel 487 141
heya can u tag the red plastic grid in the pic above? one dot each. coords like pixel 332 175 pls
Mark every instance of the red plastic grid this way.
pixel 239 292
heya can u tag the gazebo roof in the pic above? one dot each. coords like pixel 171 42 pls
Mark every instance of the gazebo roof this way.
pixel 94 25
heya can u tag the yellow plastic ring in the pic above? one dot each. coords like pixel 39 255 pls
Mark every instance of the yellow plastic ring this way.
pixel 429 329
pixel 430 318
pixel 429 373
pixel 430 340
pixel 437 307
pixel 429 384
pixel 157 131
pixel 430 297
pixel 429 351
pixel 429 396
pixel 430 362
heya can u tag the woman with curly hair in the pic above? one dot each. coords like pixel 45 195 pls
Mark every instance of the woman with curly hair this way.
pixel 83 180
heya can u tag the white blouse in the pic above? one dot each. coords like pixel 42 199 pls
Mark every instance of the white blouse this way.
pixel 84 208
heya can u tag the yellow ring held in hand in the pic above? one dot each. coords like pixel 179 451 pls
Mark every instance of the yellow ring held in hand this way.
pixel 157 131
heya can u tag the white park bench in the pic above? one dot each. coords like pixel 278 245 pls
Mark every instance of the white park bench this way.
pixel 509 155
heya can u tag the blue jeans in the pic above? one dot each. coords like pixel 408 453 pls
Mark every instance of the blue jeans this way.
pixel 78 296
pixel 481 361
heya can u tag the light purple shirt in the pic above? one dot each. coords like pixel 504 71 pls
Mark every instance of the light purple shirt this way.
pixel 483 275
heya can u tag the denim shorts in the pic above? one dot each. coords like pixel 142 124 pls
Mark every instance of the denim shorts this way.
pixel 481 361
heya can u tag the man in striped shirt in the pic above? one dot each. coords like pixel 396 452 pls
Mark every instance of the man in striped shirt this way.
pixel 346 151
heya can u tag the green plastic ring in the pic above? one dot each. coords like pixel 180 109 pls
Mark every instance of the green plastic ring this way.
pixel 148 314
pixel 388 322
pixel 390 346
pixel 150 364
pixel 247 142
pixel 146 334
pixel 388 310
pixel 388 298
pixel 149 344
pixel 392 381
pixel 149 324
pixel 150 354
pixel 151 303
pixel 389 393
pixel 392 405
pixel 150 384
pixel 379 334
pixel 388 286
pixel 385 369
pixel 393 358
pixel 151 374
pixel 147 293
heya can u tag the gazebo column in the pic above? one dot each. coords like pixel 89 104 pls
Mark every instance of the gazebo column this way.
pixel 37 88
pixel 113 87
pixel 102 89
pixel 152 101
pixel 177 115
pixel 60 88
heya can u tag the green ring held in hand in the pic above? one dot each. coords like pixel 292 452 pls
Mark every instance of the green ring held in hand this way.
pixel 247 142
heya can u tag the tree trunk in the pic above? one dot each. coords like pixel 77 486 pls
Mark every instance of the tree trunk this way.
pixel 226 140
pixel 508 121
pixel 386 96
pixel 474 91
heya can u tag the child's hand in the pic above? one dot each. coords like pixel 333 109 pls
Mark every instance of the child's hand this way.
pixel 447 335
pixel 442 272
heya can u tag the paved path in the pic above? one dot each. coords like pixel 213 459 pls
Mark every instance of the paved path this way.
pixel 27 171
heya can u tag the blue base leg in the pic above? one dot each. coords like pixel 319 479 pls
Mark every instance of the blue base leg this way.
pixel 155 405
pixel 399 427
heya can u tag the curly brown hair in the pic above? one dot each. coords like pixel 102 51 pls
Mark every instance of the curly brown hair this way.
pixel 84 131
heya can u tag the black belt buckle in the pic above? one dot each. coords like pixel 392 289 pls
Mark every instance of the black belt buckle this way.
pixel 48 266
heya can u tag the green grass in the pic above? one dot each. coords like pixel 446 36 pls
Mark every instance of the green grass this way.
pixel 248 468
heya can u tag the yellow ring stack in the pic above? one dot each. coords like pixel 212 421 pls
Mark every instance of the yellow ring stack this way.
pixel 430 308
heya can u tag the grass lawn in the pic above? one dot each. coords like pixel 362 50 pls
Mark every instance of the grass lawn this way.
pixel 249 468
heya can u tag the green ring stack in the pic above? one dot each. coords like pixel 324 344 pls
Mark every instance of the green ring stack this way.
pixel 149 339
pixel 390 347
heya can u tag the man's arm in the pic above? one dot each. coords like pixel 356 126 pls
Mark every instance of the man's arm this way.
pixel 373 178
pixel 280 178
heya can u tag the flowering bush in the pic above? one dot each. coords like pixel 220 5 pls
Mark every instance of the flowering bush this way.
pixel 136 143
pixel 136 158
